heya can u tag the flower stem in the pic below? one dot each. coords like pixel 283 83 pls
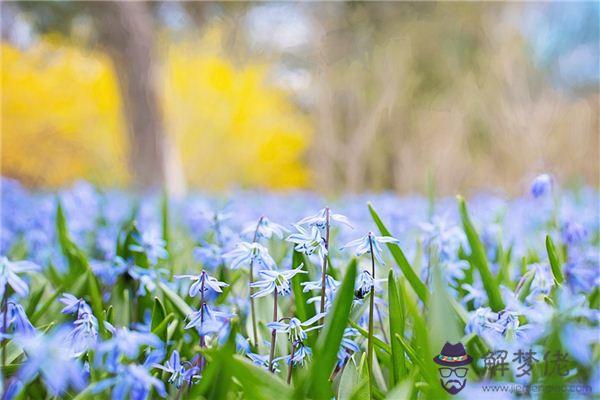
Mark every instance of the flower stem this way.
pixel 251 280
pixel 273 333
pixel 371 307
pixel 4 331
pixel 202 340
pixel 324 269
pixel 291 367
pixel 385 339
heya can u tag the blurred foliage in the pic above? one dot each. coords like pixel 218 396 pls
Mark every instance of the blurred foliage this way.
pixel 62 118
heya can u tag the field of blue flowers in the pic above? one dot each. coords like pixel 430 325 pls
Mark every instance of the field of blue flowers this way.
pixel 292 296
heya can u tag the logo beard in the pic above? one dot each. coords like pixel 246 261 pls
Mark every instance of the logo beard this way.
pixel 453 386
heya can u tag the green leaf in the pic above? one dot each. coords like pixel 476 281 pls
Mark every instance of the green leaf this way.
pixel 158 313
pixel 525 285
pixel 160 330
pixel 256 382
pixel 34 299
pixel 398 255
pixel 45 306
pixel 328 343
pixel 180 305
pixel 479 259
pixel 442 322
pixel 349 381
pixel 404 389
pixel 216 378
pixel 396 319
pixel 304 310
pixel 554 260
pixel 96 299
pixel 76 259
pixel 414 357
pixel 376 341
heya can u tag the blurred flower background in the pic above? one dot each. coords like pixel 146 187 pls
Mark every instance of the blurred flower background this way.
pixel 330 97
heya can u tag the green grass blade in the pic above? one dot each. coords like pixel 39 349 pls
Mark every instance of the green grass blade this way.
pixel 304 310
pixel 257 383
pixel 479 259
pixel 180 305
pixel 396 319
pixel 554 260
pixel 34 300
pixel 398 255
pixel 376 341
pixel 158 313
pixel 160 330
pixel 442 321
pixel 328 343
pixel 96 300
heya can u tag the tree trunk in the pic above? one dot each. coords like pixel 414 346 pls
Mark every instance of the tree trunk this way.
pixel 127 32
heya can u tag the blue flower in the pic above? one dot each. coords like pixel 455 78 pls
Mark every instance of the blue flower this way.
pixel 124 342
pixel 320 219
pixel 582 271
pixel 246 253
pixel 208 321
pixel 308 242
pixel 364 244
pixel 579 340
pixel 152 245
pixel 276 280
pixel 264 229
pixel 364 283
pixel 73 305
pixel 50 357
pixel 445 236
pixel 18 319
pixel 242 344
pixel 330 287
pixel 541 185
pixel 573 233
pixel 132 382
pixel 263 361
pixel 84 334
pixel 348 346
pixel 178 371
pixel 302 354
pixel 203 281
pixel 295 328
pixel 9 271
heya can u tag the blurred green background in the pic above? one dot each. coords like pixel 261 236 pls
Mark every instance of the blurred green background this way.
pixel 330 97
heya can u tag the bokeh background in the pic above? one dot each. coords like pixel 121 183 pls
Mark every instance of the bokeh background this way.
pixel 331 97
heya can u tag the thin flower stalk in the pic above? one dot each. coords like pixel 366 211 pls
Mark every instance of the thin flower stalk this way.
pixel 273 333
pixel 4 328
pixel 291 364
pixel 371 307
pixel 251 281
pixel 324 268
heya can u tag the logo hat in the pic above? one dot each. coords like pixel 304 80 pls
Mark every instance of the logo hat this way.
pixel 453 355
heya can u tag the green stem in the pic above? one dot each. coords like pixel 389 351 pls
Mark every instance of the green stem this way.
pixel 4 330
pixel 371 307
pixel 251 280
pixel 324 268
pixel 291 367
pixel 273 333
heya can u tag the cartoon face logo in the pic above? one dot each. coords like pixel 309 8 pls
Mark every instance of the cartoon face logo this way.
pixel 453 371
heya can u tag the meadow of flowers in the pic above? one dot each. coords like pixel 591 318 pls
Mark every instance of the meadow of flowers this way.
pixel 281 296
